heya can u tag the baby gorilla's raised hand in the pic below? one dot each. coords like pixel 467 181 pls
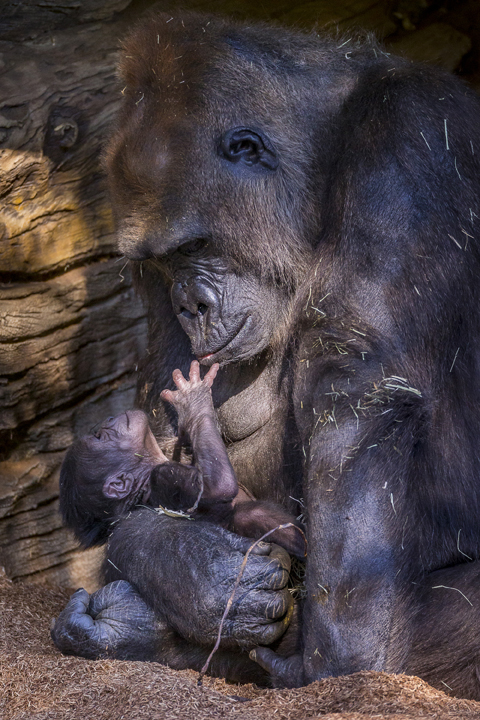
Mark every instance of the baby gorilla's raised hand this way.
pixel 196 420
pixel 193 398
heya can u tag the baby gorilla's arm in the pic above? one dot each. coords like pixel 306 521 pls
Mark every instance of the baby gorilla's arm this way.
pixel 196 418
pixel 222 501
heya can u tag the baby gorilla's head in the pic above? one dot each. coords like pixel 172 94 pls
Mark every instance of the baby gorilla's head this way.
pixel 105 474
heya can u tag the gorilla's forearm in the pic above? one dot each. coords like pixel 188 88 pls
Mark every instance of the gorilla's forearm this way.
pixel 186 569
pixel 210 456
pixel 116 623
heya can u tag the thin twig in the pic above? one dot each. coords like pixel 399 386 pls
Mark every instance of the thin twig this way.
pixel 232 594
pixel 454 360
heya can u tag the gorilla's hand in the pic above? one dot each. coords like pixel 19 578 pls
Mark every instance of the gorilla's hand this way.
pixel 284 672
pixel 112 623
pixel 186 570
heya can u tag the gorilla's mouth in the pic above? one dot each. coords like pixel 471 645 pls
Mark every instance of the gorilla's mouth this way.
pixel 229 350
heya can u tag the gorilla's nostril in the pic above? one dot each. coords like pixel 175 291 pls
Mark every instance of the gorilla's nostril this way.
pixel 186 313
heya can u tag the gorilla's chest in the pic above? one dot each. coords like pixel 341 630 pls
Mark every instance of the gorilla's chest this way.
pixel 253 414
pixel 244 414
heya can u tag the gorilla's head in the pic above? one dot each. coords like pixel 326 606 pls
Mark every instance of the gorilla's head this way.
pixel 217 168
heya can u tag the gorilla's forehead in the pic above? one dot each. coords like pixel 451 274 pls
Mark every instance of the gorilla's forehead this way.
pixel 196 60
pixel 189 81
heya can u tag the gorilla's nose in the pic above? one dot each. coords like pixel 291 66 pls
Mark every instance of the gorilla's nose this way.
pixel 193 299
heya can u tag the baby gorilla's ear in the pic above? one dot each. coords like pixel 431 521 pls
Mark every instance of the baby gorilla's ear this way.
pixel 118 486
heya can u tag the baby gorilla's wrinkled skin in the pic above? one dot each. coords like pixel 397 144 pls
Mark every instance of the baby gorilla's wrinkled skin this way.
pixel 129 469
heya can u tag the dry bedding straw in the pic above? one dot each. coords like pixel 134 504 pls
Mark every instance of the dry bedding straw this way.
pixel 37 682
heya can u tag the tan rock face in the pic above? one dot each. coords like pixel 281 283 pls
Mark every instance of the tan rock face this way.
pixel 71 328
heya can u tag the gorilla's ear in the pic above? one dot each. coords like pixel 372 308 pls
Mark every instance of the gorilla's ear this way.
pixel 249 147
pixel 118 486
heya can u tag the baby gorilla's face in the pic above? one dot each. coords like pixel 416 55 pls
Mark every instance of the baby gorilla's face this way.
pixel 128 433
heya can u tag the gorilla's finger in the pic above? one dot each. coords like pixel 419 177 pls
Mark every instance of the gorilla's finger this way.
pixel 287 672
pixel 179 380
pixel 243 545
pixel 119 591
pixel 282 556
pixel 73 621
pixel 168 395
pixel 264 573
pixel 281 610
pixel 279 605
pixel 78 602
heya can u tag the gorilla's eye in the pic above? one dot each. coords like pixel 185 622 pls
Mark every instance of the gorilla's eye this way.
pixel 192 247
pixel 249 147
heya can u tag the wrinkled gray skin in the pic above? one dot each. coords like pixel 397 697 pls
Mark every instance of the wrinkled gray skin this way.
pixel 294 211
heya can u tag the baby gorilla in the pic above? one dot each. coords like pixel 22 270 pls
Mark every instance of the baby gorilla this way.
pixel 119 467
pixel 104 479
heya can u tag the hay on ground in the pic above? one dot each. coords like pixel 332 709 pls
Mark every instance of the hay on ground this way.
pixel 38 683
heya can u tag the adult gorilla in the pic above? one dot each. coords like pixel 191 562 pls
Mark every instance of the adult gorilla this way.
pixel 305 212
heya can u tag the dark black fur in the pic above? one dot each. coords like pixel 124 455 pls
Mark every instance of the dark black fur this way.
pixel 83 506
pixel 327 194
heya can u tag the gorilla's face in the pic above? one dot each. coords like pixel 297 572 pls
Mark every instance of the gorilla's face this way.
pixel 196 232
pixel 228 316
pixel 211 175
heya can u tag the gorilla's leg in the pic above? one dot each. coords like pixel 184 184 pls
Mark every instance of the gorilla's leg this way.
pixel 446 636
pixel 445 649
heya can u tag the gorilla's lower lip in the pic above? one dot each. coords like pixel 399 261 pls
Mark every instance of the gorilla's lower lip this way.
pixel 209 356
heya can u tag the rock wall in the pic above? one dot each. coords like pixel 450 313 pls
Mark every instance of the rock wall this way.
pixel 70 327
pixel 71 330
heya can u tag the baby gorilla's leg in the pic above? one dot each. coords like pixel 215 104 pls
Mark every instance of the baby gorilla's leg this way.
pixel 254 518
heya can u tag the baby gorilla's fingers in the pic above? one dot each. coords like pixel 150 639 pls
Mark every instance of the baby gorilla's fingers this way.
pixel 195 371
pixel 179 380
pixel 169 396
pixel 211 375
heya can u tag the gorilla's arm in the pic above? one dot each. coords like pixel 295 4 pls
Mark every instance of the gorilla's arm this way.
pixel 377 393
pixel 185 571
pixel 116 623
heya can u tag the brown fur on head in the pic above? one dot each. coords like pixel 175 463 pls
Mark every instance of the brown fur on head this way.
pixel 190 79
